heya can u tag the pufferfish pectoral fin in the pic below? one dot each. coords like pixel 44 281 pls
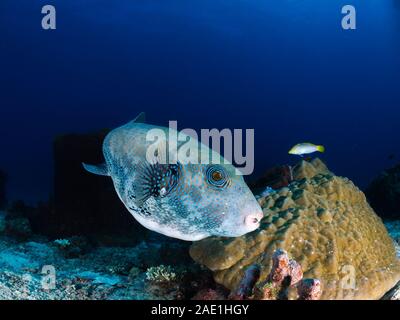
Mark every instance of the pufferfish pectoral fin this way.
pixel 100 169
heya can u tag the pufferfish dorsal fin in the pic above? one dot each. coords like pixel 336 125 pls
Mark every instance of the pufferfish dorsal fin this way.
pixel 99 169
pixel 141 118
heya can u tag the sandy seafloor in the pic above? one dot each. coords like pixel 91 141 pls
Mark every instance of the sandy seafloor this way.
pixel 102 273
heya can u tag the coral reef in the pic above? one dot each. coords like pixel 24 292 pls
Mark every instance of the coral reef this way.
pixel 324 223
pixel 309 169
pixel 286 273
pixel 35 267
pixel 281 176
pixel 164 280
pixel 161 274
pixel 181 281
pixel 73 247
pixel 384 193
pixel 319 227
pixel 40 269
pixel 17 227
pixel 62 243
pixel 19 209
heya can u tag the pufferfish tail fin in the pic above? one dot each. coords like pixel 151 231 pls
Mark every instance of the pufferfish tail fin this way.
pixel 99 169
pixel 321 148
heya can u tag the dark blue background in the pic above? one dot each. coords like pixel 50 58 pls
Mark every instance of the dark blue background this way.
pixel 285 68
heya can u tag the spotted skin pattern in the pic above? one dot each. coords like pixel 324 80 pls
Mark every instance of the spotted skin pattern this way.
pixel 178 200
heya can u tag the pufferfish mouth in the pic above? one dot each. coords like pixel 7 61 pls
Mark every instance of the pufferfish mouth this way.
pixel 252 220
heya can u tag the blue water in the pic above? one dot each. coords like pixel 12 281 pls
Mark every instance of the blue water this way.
pixel 285 68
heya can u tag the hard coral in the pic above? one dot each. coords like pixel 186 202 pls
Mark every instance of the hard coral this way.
pixel 161 273
pixel 324 223
pixel 73 247
pixel 285 273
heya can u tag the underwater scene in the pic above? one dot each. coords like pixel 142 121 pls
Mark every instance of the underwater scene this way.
pixel 231 150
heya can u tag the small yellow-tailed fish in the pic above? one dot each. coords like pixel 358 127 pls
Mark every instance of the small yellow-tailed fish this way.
pixel 306 148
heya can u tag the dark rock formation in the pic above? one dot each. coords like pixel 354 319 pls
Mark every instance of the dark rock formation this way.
pixel 3 179
pixel 383 193
pixel 85 204
pixel 393 294
pixel 245 288
pixel 275 178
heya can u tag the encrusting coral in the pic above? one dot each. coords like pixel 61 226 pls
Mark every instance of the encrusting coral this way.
pixel 325 224
pixel 285 273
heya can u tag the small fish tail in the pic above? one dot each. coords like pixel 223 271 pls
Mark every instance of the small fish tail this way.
pixel 321 148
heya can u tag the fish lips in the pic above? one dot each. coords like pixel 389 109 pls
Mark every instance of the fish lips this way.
pixel 249 224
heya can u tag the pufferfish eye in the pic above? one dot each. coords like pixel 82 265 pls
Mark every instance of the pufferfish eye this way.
pixel 216 176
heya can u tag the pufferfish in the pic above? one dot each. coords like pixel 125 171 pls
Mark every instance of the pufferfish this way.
pixel 187 201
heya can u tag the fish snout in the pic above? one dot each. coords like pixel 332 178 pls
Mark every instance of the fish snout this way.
pixel 252 221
